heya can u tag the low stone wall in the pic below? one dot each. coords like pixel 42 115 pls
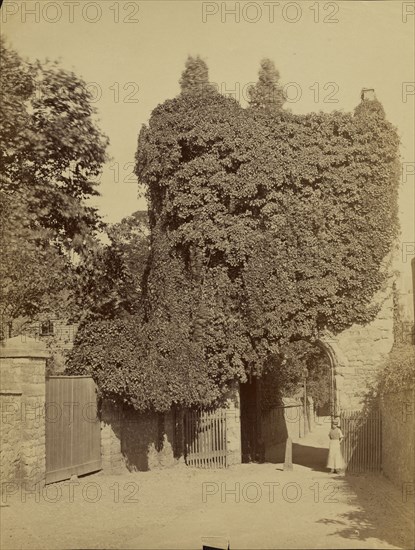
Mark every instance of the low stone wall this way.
pixel 22 396
pixel 132 441
pixel 398 433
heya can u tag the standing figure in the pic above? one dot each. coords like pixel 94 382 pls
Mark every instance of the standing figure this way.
pixel 335 460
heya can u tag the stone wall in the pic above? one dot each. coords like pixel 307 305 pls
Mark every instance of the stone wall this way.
pixel 111 427
pixel 22 391
pixel 10 435
pixel 132 441
pixel 359 352
pixel 398 432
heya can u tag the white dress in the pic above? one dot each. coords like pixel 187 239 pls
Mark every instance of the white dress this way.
pixel 335 460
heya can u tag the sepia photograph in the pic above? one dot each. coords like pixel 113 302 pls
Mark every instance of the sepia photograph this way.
pixel 207 274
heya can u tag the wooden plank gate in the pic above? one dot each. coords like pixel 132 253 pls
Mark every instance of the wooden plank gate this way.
pixel 73 430
pixel 362 443
pixel 205 438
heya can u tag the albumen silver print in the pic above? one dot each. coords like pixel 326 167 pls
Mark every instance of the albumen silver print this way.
pixel 207 274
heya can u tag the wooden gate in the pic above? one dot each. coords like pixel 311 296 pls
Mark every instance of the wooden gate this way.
pixel 362 443
pixel 73 431
pixel 205 438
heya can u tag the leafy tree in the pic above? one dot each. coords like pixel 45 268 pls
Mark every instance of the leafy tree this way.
pixel 51 150
pixel 32 273
pixel 319 377
pixel 110 277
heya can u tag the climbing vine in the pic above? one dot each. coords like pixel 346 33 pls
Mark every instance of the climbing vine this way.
pixel 266 229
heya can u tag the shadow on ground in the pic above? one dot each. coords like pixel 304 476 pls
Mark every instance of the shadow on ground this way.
pixel 314 458
pixel 375 508
pixel 378 512
pixel 309 456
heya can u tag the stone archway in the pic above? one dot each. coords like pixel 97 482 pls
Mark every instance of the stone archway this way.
pixel 338 364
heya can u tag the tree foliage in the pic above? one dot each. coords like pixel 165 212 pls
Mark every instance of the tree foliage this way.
pixel 109 280
pixel 195 77
pixel 399 372
pixel 32 273
pixel 267 228
pixel 51 150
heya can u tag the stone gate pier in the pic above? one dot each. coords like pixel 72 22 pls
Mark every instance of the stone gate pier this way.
pixel 22 400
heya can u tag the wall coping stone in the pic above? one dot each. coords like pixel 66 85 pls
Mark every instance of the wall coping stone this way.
pixel 23 346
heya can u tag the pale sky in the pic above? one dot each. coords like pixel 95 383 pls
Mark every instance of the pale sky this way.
pixel 133 53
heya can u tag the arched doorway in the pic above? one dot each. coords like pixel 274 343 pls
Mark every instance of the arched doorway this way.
pixel 338 362
pixel 319 385
pixel 271 412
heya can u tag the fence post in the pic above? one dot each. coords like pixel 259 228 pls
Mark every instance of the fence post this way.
pixel 288 461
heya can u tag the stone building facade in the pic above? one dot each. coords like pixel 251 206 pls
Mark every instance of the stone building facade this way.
pixel 358 353
pixel 398 444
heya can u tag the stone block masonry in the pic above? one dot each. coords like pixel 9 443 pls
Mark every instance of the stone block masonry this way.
pixel 134 441
pixel 22 396
pixel 359 352
pixel 233 427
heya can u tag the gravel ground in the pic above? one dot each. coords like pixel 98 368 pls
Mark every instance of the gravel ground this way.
pixel 253 505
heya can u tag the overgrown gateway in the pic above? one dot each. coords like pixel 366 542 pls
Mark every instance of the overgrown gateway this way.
pixel 264 242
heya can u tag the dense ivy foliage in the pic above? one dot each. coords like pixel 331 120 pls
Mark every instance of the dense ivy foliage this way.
pixel 266 229
pixel 267 93
pixel 399 372
pixel 132 363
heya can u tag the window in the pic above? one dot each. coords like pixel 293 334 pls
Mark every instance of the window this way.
pixel 47 328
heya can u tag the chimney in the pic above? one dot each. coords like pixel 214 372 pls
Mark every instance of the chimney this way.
pixel 367 94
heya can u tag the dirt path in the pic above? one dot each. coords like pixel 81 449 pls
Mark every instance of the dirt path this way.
pixel 254 505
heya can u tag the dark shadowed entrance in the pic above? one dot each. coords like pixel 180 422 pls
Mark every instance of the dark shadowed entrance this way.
pixel 250 421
